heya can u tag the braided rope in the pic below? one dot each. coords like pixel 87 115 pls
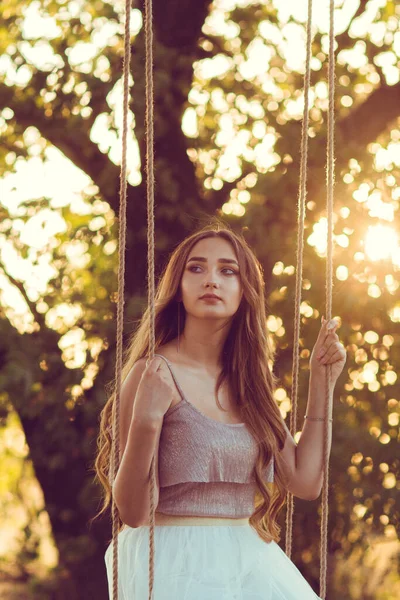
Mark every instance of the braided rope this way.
pixel 330 181
pixel 299 268
pixel 120 297
pixel 329 284
pixel 150 248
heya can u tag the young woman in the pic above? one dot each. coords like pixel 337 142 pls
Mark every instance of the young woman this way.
pixel 204 407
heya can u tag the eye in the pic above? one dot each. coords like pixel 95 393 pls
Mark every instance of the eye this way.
pixel 193 267
pixel 232 271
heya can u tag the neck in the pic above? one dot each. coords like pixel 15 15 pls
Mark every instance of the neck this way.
pixel 202 341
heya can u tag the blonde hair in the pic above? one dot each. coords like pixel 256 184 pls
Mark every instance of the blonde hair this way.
pixel 247 365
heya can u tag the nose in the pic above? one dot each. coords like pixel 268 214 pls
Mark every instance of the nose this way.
pixel 211 278
pixel 210 284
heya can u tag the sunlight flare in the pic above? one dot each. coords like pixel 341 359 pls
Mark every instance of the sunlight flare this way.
pixel 381 242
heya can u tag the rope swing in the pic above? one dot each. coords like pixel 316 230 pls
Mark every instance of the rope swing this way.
pixel 121 273
pixel 149 118
pixel 120 294
pixel 328 285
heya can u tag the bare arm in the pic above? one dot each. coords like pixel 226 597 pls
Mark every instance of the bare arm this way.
pixel 304 461
pixel 139 442
pixel 132 483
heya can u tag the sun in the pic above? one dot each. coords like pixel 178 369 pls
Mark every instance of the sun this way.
pixel 381 242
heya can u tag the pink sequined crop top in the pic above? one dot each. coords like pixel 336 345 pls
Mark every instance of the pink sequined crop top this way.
pixel 205 466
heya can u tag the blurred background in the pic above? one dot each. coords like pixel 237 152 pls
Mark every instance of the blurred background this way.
pixel 228 110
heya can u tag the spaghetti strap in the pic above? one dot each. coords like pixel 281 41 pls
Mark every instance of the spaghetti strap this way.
pixel 173 375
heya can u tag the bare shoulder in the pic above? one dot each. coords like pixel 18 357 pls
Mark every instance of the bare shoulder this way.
pixel 168 350
pixel 135 373
pixel 129 388
pixel 127 399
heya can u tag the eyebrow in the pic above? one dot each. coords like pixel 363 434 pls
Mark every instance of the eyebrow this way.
pixel 222 260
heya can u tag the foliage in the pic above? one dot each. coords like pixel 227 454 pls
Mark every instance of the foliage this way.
pixel 228 119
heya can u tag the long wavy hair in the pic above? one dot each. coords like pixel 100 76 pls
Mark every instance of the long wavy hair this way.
pixel 247 360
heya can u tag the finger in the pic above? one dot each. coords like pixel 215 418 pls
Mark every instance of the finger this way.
pixel 334 353
pixel 327 328
pixel 332 325
pixel 329 347
pixel 322 351
pixel 336 357
pixel 330 338
pixel 322 333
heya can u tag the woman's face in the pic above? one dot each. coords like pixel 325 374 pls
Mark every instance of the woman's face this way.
pixel 211 267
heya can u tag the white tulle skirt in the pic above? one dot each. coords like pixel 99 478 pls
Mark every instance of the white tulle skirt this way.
pixel 221 562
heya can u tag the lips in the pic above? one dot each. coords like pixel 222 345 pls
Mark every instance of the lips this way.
pixel 210 296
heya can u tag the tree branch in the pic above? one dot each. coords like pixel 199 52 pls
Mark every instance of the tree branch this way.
pixel 32 306
pixel 367 121
pixel 70 134
pixel 344 40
